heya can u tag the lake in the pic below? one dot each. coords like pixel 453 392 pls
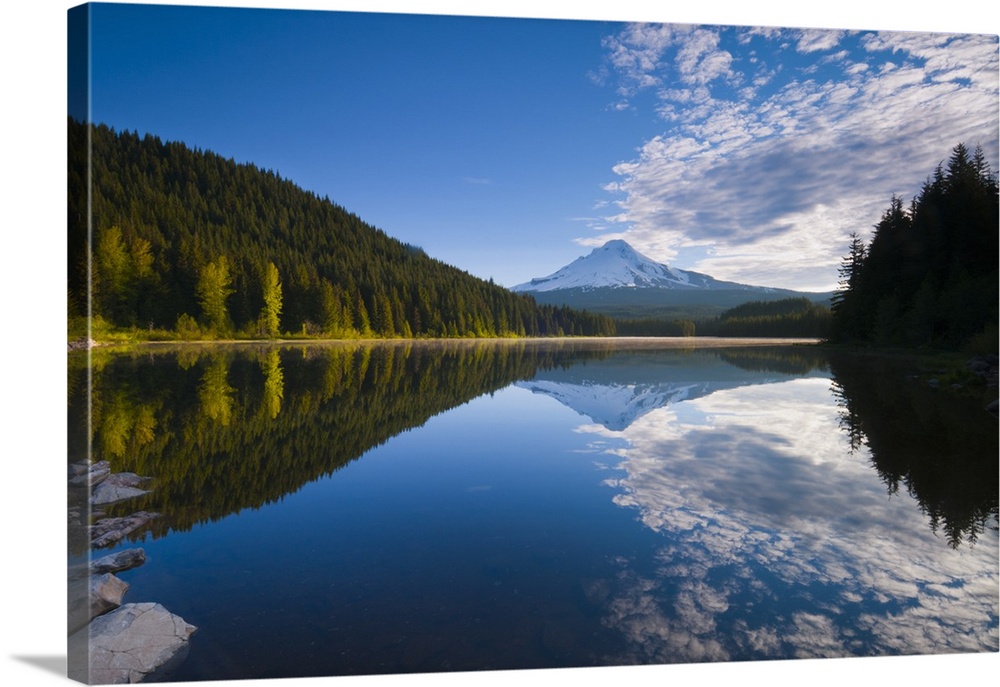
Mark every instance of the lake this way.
pixel 409 507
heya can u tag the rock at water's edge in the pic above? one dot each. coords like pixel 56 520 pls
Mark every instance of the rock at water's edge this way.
pixel 107 493
pixel 103 593
pixel 118 486
pixel 94 475
pixel 125 559
pixel 133 642
pixel 108 531
pixel 106 593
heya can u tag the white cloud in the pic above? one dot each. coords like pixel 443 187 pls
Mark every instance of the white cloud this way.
pixel 773 171
pixel 637 51
pixel 812 40
pixel 699 59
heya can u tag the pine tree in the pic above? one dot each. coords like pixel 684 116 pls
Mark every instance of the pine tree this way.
pixel 929 274
pixel 844 303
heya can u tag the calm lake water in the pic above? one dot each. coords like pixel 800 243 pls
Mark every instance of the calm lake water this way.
pixel 353 509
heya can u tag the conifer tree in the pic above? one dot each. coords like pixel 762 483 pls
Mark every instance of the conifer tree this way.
pixel 929 274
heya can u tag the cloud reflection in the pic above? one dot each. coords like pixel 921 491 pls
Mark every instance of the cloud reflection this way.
pixel 778 543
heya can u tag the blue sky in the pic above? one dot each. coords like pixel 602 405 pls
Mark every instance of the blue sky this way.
pixel 509 146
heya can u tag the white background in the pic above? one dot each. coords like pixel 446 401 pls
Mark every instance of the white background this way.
pixel 33 391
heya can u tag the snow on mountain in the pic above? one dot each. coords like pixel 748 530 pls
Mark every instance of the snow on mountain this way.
pixel 616 264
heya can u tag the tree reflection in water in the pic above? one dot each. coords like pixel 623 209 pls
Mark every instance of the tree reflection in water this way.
pixel 939 445
pixel 223 428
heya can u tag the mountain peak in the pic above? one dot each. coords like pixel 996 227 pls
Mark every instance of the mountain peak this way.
pixel 623 249
pixel 617 244
pixel 616 264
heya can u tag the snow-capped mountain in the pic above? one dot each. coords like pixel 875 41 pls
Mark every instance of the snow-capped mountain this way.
pixel 617 265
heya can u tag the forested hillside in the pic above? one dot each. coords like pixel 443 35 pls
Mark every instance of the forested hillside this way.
pixel 188 242
pixel 789 317
pixel 929 274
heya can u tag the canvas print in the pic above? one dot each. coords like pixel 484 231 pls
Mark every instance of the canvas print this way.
pixel 418 343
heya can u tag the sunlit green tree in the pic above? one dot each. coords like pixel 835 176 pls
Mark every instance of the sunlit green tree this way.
pixel 271 313
pixel 214 287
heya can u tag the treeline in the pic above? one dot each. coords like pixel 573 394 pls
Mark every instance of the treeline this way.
pixel 191 244
pixel 654 326
pixel 929 274
pixel 790 317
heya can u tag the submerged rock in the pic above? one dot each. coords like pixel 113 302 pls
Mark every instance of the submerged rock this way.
pixel 132 643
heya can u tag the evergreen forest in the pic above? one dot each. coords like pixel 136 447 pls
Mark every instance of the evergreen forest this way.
pixel 928 276
pixel 788 317
pixel 183 243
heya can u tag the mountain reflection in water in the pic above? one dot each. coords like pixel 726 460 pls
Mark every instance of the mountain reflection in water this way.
pixel 616 391
pixel 572 503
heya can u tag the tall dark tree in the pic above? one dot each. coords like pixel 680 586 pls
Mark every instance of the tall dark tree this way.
pixel 929 274
pixel 844 304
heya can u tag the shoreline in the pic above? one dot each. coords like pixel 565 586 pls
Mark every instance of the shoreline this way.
pixel 632 341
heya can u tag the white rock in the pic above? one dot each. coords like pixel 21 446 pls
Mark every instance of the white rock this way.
pixel 106 593
pixel 98 595
pixel 131 643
